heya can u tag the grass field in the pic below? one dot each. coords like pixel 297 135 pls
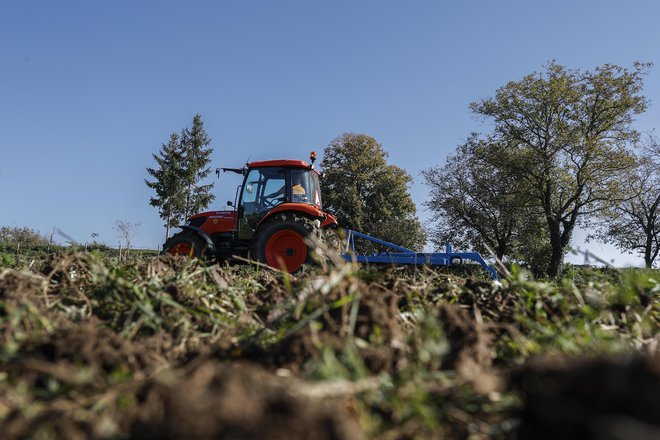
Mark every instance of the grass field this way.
pixel 172 348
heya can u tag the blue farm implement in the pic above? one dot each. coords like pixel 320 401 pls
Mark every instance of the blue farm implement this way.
pixel 401 255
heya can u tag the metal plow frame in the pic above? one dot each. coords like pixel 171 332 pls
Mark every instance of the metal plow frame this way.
pixel 408 256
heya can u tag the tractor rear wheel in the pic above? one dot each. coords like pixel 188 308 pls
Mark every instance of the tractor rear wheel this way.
pixel 282 245
pixel 185 243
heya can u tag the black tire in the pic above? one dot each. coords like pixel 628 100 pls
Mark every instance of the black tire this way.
pixel 186 243
pixel 283 243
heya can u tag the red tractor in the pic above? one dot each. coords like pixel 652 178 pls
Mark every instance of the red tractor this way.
pixel 279 206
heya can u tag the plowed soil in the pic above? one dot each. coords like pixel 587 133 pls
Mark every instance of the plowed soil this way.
pixel 169 349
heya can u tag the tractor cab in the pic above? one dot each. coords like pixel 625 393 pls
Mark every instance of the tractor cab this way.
pixel 269 185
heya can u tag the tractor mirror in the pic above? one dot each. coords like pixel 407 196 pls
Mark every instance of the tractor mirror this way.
pixel 230 203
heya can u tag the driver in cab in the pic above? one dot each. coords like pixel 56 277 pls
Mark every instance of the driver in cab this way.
pixel 297 191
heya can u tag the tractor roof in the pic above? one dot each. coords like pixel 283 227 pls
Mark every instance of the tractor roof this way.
pixel 279 163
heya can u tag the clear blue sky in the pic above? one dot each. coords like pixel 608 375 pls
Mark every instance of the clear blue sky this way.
pixel 89 90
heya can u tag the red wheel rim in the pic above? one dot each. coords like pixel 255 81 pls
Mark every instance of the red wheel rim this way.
pixel 286 248
pixel 181 249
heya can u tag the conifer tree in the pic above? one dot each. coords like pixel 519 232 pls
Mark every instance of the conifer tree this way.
pixel 196 156
pixel 168 183
pixel 182 164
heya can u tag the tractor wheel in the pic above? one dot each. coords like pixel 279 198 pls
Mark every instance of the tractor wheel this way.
pixel 282 245
pixel 185 243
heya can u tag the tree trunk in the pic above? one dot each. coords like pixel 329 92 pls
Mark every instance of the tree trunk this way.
pixel 501 249
pixel 167 225
pixel 647 251
pixel 557 256
pixel 556 261
pixel 187 212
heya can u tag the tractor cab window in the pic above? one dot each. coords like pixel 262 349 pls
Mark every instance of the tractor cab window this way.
pixel 273 188
pixel 305 187
pixel 314 189
pixel 263 189
pixel 300 186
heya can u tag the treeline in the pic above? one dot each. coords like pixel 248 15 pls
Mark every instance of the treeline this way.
pixel 21 247
pixel 22 243
pixel 560 152
pixel 23 235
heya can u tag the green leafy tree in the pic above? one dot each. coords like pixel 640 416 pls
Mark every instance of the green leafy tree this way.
pixel 168 184
pixel 367 194
pixel 477 205
pixel 565 133
pixel 634 224
pixel 196 157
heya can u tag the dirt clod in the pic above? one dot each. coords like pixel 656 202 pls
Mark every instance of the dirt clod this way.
pixel 471 352
pixel 236 402
pixel 375 320
pixel 605 398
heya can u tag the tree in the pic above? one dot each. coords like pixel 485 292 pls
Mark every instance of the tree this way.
pixel 168 184
pixel 478 205
pixel 367 194
pixel 565 133
pixel 196 156
pixel 126 231
pixel 182 164
pixel 634 224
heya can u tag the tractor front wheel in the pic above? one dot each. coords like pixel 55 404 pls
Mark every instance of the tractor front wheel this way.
pixel 185 243
pixel 282 246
